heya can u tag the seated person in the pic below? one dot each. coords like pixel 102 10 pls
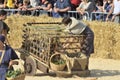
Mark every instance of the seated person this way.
pixel 29 6
pixel 46 6
pixel 2 4
pixel 9 4
pixel 86 5
pixel 34 4
pixel 99 9
pixel 61 7
pixel 24 8
pixel 106 8
pixel 75 4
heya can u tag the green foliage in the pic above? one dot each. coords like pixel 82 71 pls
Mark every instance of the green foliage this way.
pixel 58 60
pixel 13 74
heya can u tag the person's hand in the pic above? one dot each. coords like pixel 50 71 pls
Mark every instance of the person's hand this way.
pixel 12 62
pixel 38 7
pixel 113 17
pixel 4 5
pixel 107 19
pixel 82 11
pixel 56 10
pixel 24 9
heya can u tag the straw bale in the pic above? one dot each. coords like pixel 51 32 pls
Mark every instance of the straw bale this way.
pixel 107 38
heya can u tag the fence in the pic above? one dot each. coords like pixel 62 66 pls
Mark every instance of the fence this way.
pixel 11 11
pixel 78 16
pixel 99 16
pixel 75 14
pixel 93 16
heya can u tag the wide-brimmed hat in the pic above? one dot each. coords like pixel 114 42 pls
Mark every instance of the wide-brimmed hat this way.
pixel 2 38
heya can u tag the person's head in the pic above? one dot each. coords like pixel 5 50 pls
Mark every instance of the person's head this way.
pixel 66 21
pixel 4 29
pixel 3 14
pixel 110 1
pixel 25 2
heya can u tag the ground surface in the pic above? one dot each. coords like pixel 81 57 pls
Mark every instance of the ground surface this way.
pixel 103 69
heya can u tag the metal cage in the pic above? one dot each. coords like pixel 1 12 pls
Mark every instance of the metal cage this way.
pixel 41 40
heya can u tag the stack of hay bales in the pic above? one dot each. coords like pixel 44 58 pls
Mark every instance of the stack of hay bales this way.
pixel 107 38
pixel 16 22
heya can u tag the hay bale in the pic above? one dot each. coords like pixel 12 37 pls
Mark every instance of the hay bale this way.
pixel 107 38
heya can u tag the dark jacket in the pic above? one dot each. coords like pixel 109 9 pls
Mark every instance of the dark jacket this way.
pixel 3 26
pixel 87 46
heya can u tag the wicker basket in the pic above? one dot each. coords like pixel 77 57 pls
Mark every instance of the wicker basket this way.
pixel 57 67
pixel 20 77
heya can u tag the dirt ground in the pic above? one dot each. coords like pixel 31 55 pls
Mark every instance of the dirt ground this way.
pixel 102 69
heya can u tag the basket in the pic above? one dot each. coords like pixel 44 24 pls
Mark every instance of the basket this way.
pixel 20 77
pixel 57 67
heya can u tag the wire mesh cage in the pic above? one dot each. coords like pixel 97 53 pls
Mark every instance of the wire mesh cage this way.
pixel 43 40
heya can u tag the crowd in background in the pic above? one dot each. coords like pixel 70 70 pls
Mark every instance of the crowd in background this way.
pixel 59 8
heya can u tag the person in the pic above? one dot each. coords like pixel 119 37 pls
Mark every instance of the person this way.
pixel 75 3
pixel 7 57
pixel 9 4
pixel 46 5
pixel 4 29
pixel 115 9
pixel 34 4
pixel 86 5
pixel 99 9
pixel 76 27
pixel 2 4
pixel 61 8
pixel 24 7
pixel 107 4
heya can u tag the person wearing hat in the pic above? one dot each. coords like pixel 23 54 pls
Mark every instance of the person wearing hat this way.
pixel 77 27
pixel 7 57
